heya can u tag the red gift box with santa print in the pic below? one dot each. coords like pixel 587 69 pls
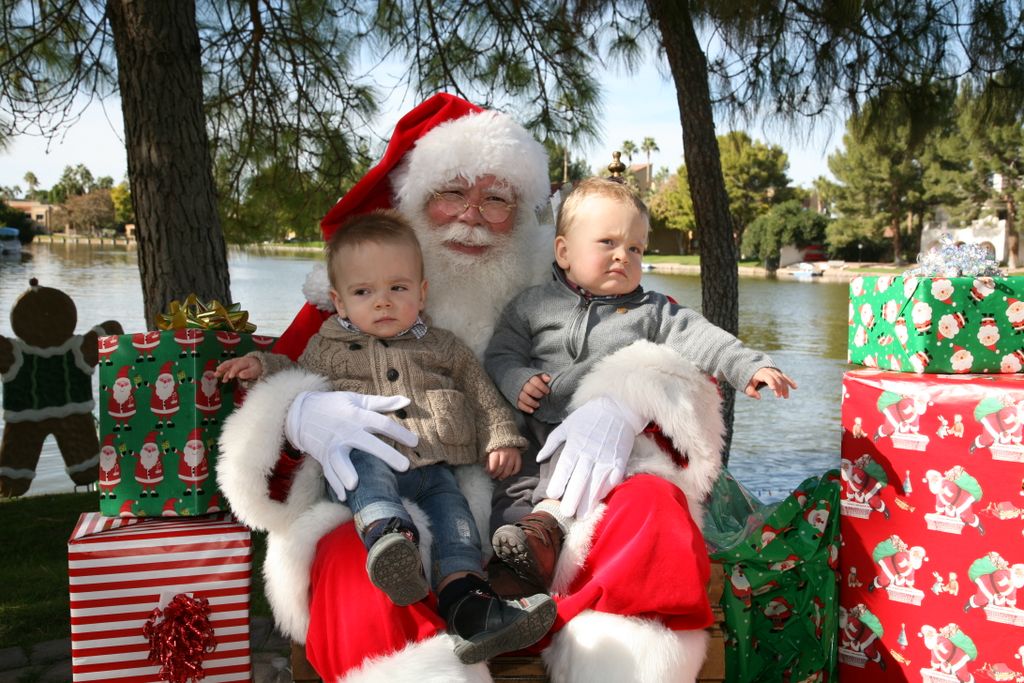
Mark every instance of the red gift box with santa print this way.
pixel 932 555
pixel 121 570
pixel 161 408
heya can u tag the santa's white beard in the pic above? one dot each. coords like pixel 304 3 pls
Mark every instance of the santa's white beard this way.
pixel 148 456
pixel 469 291
pixel 208 384
pixel 164 387
pixel 108 459
pixel 121 391
pixel 193 455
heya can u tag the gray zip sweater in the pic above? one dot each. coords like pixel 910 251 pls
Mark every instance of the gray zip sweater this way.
pixel 556 329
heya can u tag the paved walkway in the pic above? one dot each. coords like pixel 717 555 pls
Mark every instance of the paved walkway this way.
pixel 51 662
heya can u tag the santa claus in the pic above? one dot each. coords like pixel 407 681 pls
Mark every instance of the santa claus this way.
pixel 110 468
pixel 208 393
pixel 614 623
pixel 164 401
pixel 193 467
pixel 149 471
pixel 188 340
pixel 121 405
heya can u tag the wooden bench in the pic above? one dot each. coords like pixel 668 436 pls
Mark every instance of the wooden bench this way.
pixel 518 669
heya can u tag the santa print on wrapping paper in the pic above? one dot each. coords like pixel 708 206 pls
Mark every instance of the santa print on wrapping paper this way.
pixel 739 584
pixel 193 467
pixel 956 492
pixel 902 420
pixel 144 344
pixel 996 583
pixel 149 471
pixel 110 468
pixel 164 401
pixel 208 400
pixel 121 403
pixel 228 343
pixel 1002 427
pixel 778 611
pixel 860 633
pixel 951 651
pixel 897 563
pixel 864 480
pixel 188 340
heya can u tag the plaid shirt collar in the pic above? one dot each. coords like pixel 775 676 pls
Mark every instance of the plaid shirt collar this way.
pixel 418 329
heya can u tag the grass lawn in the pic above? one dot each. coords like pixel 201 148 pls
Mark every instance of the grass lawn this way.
pixel 34 535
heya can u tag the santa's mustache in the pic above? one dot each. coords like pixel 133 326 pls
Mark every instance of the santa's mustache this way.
pixel 470 235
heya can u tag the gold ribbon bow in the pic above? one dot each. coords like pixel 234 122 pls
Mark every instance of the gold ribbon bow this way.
pixel 212 315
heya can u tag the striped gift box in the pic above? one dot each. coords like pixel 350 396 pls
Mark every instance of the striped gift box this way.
pixel 119 569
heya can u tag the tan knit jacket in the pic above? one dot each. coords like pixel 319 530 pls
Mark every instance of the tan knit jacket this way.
pixel 455 410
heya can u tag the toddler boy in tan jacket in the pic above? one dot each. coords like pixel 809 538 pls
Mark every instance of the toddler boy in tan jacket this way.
pixel 378 344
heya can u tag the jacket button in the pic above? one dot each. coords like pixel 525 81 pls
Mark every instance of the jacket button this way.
pixel 355 346
pixel 392 375
pixel 401 414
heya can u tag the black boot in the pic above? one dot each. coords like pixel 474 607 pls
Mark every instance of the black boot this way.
pixel 483 625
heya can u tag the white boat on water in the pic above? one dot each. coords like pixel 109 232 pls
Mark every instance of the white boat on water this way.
pixel 9 242
pixel 803 271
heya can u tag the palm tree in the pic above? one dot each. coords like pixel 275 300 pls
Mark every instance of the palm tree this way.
pixel 33 182
pixel 648 146
pixel 628 148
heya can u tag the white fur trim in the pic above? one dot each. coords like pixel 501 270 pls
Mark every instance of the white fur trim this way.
pixel 595 646
pixel 317 288
pixel 250 447
pixel 660 385
pixel 429 661
pixel 470 147
pixel 289 560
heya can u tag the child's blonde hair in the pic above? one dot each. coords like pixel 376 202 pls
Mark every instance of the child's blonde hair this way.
pixel 597 187
pixel 377 227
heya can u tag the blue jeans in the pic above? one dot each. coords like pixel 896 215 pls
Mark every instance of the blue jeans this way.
pixel 378 496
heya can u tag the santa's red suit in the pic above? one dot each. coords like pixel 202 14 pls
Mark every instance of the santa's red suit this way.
pixel 614 623
pixel 164 401
pixel 188 340
pixel 193 475
pixel 121 405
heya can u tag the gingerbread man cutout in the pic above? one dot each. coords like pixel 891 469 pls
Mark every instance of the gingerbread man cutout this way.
pixel 46 372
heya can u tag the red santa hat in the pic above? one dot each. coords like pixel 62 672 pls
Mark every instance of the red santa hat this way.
pixel 167 368
pixel 123 372
pixel 108 440
pixel 443 138
pixel 195 435
pixel 211 366
pixel 150 438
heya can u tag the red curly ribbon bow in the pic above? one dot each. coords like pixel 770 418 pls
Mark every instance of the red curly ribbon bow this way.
pixel 180 640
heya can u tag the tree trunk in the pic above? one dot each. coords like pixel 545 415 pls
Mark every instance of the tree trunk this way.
pixel 719 277
pixel 180 242
pixel 897 246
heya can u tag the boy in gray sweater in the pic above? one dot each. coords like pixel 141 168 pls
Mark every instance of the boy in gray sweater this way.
pixel 550 336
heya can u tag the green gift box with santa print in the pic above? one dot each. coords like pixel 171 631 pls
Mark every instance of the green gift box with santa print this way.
pixel 937 325
pixel 161 408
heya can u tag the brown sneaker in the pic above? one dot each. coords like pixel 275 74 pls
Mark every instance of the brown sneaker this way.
pixel 508 584
pixel 531 547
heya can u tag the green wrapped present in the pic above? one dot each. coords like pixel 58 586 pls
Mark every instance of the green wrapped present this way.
pixel 161 408
pixel 781 591
pixel 937 325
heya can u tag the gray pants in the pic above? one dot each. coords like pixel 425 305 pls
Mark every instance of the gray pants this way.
pixel 515 497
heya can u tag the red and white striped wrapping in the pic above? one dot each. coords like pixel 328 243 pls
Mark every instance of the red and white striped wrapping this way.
pixel 119 569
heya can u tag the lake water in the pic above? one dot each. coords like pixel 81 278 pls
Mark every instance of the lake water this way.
pixel 776 444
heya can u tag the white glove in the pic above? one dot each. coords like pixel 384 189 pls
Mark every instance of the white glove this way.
pixel 327 425
pixel 598 438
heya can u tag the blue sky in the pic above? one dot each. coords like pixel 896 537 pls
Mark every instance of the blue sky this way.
pixel 635 106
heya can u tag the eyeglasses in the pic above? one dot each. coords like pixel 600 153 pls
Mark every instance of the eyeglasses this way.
pixel 453 204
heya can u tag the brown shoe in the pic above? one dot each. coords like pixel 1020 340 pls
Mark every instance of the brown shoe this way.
pixel 531 547
pixel 509 585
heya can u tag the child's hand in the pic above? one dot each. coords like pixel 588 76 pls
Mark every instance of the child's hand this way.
pixel 246 367
pixel 775 379
pixel 532 392
pixel 503 462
